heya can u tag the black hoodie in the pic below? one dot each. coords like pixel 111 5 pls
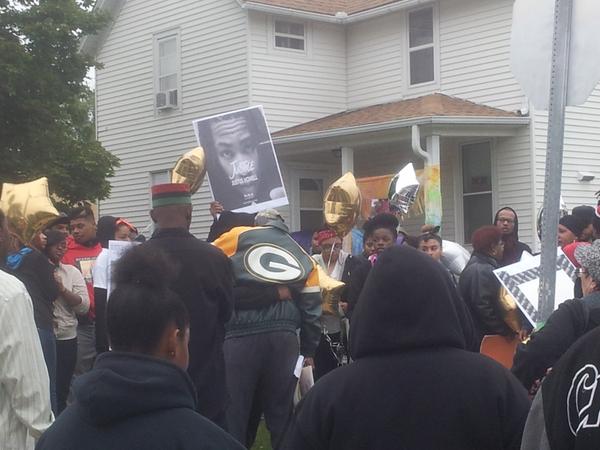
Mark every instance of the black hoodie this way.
pixel 513 248
pixel 412 386
pixel 131 401
pixel 565 414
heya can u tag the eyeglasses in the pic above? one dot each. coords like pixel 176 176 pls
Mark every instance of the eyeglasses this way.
pixel 502 220
pixel 580 272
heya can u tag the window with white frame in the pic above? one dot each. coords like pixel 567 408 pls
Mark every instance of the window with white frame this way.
pixel 311 203
pixel 421 46
pixel 289 35
pixel 477 187
pixel 161 177
pixel 167 71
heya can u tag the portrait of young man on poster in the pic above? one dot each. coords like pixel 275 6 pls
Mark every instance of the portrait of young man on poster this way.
pixel 240 159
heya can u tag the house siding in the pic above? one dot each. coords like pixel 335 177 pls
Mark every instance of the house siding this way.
pixel 375 61
pixel 296 87
pixel 475 65
pixel 475 52
pixel 581 152
pixel 513 180
pixel 213 57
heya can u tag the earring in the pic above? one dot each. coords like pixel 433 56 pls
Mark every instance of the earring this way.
pixel 171 353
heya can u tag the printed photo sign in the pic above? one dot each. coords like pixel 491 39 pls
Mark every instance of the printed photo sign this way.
pixel 522 281
pixel 116 249
pixel 241 163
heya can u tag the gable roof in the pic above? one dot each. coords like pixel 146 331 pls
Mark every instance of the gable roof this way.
pixel 433 105
pixel 329 7
pixel 92 43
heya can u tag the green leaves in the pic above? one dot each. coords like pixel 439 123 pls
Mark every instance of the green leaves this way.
pixel 46 109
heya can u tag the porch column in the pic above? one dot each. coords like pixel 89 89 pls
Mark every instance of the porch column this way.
pixel 433 189
pixel 347 166
pixel 347 160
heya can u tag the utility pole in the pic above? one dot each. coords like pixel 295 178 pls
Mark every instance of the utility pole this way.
pixel 563 13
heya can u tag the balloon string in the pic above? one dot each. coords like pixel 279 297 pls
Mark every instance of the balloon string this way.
pixel 330 256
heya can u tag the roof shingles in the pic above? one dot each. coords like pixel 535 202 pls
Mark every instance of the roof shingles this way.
pixel 427 106
pixel 329 7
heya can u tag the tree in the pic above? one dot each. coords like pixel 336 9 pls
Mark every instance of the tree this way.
pixel 46 109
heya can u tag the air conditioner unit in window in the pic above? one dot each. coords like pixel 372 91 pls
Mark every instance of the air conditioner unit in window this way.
pixel 167 100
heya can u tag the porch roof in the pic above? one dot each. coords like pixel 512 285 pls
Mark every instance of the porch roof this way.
pixel 328 7
pixel 437 114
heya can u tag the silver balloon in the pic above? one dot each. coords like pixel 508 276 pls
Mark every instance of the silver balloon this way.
pixel 404 188
pixel 454 256
pixel 564 211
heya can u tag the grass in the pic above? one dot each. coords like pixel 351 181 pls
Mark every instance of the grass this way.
pixel 263 438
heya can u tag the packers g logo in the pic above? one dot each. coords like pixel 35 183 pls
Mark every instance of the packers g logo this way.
pixel 274 264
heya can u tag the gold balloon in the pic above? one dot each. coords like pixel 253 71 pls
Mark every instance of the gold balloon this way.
pixel 190 169
pixel 341 206
pixel 510 310
pixel 331 290
pixel 28 207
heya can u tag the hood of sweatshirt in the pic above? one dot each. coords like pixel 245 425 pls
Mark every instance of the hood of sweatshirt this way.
pixel 406 304
pixel 515 234
pixel 123 385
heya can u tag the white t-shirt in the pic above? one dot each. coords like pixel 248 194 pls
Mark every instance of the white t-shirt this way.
pixel 100 271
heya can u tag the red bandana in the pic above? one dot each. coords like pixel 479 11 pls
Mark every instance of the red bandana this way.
pixel 323 235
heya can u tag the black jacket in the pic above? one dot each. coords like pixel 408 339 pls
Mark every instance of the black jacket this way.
pixel 130 401
pixel 480 289
pixel 205 284
pixel 356 278
pixel 36 272
pixel 568 323
pixel 565 412
pixel 412 385
pixel 228 220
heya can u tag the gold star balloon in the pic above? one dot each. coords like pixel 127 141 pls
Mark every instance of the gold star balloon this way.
pixel 28 207
pixel 331 291
pixel 190 169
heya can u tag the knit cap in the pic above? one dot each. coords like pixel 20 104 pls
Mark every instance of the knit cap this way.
pixel 171 194
pixel 589 258
pixel 575 224
pixel 266 216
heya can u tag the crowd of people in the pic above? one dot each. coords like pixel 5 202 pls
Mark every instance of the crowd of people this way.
pixel 188 344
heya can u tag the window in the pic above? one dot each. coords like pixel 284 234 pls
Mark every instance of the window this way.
pixel 167 89
pixel 162 177
pixel 289 35
pixel 421 47
pixel 311 203
pixel 477 187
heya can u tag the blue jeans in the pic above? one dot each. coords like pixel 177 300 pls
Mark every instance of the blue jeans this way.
pixel 48 342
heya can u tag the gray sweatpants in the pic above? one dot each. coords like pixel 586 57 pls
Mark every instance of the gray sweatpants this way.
pixel 261 366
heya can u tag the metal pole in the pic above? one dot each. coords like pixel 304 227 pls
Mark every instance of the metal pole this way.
pixel 554 157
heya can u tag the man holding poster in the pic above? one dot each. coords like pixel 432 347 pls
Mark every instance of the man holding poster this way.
pixel 570 321
pixel 240 159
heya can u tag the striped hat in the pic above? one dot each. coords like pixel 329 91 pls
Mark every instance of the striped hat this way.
pixel 171 194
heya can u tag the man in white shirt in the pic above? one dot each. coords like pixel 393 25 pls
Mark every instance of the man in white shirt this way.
pixel 24 383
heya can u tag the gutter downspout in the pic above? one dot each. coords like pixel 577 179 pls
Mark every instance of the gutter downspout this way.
pixel 430 180
pixel 416 144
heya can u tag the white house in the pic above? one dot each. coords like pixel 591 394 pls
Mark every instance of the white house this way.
pixel 346 85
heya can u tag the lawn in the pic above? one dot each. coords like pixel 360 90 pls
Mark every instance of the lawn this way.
pixel 263 439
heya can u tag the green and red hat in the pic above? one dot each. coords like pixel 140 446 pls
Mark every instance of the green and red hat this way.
pixel 171 194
